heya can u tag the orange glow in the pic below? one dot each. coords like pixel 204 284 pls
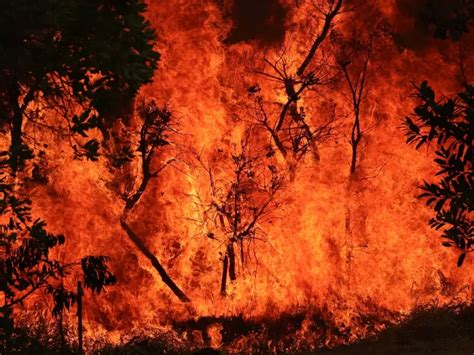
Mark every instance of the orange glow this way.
pixel 355 251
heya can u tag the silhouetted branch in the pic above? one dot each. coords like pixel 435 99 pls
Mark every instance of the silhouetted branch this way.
pixel 328 19
pixel 154 261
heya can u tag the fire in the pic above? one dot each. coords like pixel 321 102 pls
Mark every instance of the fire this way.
pixel 350 252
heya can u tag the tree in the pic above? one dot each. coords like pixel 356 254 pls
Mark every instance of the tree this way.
pixel 353 59
pixel 288 126
pixel 155 128
pixel 242 199
pixel 449 123
pixel 69 67
pixel 354 52
pixel 72 56
pixel 26 264
pixel 89 80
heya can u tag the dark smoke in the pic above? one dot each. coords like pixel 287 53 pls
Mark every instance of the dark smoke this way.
pixel 419 21
pixel 260 20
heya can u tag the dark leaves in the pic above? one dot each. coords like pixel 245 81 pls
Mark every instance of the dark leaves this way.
pixel 81 124
pixel 90 151
pixel 96 273
pixel 125 156
pixel 461 259
pixel 62 299
pixel 74 54
pixel 155 129
pixel 26 262
pixel 426 93
pixel 19 155
pixel 449 124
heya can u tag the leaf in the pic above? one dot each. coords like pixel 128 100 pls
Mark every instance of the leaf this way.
pixel 461 259
pixel 421 142
pixel 439 205
pixel 426 92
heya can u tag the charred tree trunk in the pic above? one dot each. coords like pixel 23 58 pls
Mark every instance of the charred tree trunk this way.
pixel 225 264
pixel 349 242
pixel 328 19
pixel 356 136
pixel 154 261
pixel 228 266
pixel 16 130
pixel 231 254
pixel 147 148
pixel 242 252
pixel 16 135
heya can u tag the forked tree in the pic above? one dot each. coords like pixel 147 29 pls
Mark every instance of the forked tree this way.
pixel 353 59
pixel 290 130
pixel 353 54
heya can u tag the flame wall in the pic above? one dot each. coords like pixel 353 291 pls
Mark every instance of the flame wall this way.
pixel 346 247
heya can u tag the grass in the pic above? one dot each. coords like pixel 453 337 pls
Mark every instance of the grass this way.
pixel 448 330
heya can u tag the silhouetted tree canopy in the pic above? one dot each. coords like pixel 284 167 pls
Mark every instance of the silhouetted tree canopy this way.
pixel 69 53
pixel 80 60
pixel 26 264
pixel 450 124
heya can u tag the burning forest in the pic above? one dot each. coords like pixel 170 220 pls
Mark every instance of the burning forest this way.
pixel 235 175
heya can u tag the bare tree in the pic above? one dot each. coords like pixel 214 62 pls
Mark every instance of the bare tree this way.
pixel 289 128
pixel 354 60
pixel 354 53
pixel 297 138
pixel 156 126
pixel 241 202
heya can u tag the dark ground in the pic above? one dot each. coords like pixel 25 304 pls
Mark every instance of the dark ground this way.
pixel 430 331
pixel 427 331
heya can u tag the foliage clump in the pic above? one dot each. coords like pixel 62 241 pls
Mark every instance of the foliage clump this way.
pixel 450 124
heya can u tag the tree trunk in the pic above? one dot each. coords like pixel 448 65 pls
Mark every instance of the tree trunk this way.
pixel 356 136
pixel 225 264
pixel 154 261
pixel 231 254
pixel 228 264
pixel 16 140
pixel 354 159
pixel 16 132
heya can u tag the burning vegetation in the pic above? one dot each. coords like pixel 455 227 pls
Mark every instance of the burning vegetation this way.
pixel 243 176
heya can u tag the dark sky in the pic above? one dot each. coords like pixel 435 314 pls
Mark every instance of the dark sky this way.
pixel 413 25
pixel 261 20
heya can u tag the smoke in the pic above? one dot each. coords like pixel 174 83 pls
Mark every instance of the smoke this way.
pixel 418 22
pixel 263 21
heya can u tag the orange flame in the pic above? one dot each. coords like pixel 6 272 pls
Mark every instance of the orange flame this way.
pixel 335 245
